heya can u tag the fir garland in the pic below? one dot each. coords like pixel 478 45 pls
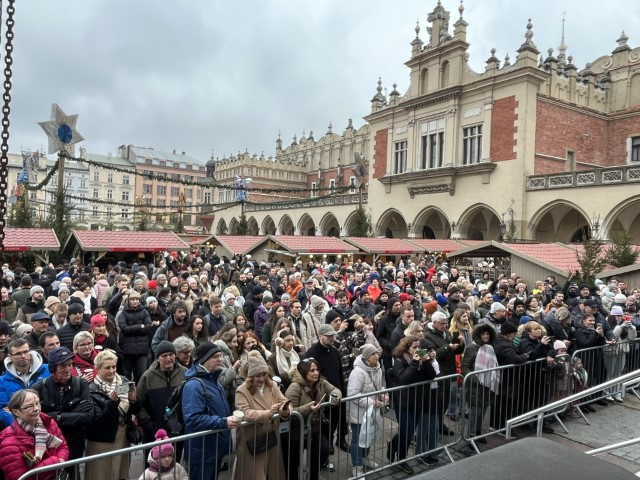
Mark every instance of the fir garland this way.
pixel 45 180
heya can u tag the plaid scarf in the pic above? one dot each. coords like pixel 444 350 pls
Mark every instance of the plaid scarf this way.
pixel 486 359
pixel 43 438
pixel 106 387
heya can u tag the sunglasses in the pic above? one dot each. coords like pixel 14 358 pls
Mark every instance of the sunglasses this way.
pixel 310 359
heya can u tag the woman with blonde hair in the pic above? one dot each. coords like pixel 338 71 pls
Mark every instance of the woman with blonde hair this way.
pixel 112 396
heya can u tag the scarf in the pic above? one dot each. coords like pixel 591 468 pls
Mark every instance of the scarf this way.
pixel 155 467
pixel 106 387
pixel 43 438
pixel 286 360
pixel 486 359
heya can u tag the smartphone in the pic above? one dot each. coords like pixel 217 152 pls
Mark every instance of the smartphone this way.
pixel 322 399
pixel 122 389
pixel 132 386
pixel 421 352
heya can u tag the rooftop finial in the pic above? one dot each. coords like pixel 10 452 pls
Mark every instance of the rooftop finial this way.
pixel 417 29
pixel 330 128
pixel 461 9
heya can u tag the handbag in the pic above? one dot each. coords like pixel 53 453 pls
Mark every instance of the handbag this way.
pixel 134 434
pixel 262 443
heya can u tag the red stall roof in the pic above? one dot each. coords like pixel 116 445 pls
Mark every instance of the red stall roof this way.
pixel 26 239
pixel 303 244
pixel 237 244
pixel 442 245
pixel 384 246
pixel 123 241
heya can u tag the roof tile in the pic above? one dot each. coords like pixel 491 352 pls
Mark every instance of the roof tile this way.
pixel 25 239
pixel 119 241
pixel 305 244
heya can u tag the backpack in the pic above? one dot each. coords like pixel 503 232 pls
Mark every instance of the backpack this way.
pixel 173 419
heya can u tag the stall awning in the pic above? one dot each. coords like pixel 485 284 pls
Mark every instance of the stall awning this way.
pixel 30 239
pixel 119 241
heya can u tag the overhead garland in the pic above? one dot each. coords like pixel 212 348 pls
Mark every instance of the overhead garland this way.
pixel 45 180
pixel 162 178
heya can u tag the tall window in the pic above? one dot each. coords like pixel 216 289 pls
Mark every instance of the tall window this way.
pixel 109 194
pixel 125 179
pixel 83 183
pixel 95 193
pixel 125 196
pixel 314 191
pixel 352 184
pixel 400 157
pixel 332 185
pixel 96 176
pixel 162 190
pixel 124 214
pixel 146 188
pixel 207 198
pixel 109 212
pixel 94 212
pixel 110 177
pixel 635 149
pixel 432 144
pixel 147 174
pixel 471 145
pixel 175 191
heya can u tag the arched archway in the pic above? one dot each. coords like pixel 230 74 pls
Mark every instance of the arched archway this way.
pixel 252 227
pixel 306 226
pixel 286 226
pixel 233 225
pixel 221 228
pixel 268 226
pixel 432 223
pixel 392 225
pixel 560 221
pixel 329 226
pixel 625 217
pixel 480 222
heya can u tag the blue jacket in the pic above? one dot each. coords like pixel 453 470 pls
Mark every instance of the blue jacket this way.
pixel 206 412
pixel 10 383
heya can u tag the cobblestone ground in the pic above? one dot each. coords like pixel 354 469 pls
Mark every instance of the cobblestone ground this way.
pixel 611 424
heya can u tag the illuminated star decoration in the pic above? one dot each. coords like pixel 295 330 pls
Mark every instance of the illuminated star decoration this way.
pixel 61 130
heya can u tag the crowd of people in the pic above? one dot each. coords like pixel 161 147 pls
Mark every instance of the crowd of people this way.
pixel 91 358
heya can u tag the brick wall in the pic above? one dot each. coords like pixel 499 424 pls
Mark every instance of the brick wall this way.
pixel 381 140
pixel 504 129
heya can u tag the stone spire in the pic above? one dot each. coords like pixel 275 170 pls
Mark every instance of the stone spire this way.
pixel 622 43
pixel 416 44
pixel 528 52
pixel 379 100
pixel 493 63
pixel 460 27
pixel 562 49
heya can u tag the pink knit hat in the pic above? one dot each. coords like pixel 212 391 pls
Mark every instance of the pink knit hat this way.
pixel 165 450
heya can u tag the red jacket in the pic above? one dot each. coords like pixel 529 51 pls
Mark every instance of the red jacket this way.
pixel 14 441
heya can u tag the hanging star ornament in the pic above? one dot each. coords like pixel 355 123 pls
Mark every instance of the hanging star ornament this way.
pixel 61 130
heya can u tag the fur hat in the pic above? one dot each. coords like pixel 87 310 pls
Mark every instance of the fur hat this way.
pixel 165 450
pixel 256 364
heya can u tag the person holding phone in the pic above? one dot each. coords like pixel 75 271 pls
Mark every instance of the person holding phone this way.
pixel 112 397
pixel 307 392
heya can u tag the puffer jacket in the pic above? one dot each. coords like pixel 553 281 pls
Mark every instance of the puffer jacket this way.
pixel 9 310
pixel 302 395
pixel 100 290
pixel 135 326
pixel 68 331
pixel 14 441
pixel 206 410
pixel 363 379
pixel 10 382
pixel 26 311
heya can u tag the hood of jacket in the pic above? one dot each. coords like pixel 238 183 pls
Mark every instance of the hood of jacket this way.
pixel 479 329
pixel 36 363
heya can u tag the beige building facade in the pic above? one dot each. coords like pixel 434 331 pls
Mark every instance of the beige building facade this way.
pixel 531 148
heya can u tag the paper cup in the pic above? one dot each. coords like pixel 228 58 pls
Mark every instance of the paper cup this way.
pixel 238 415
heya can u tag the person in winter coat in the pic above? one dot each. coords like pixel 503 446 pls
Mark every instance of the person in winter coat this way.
pixel 162 462
pixel 155 387
pixel 205 407
pixel 33 440
pixel 67 399
pixel 8 306
pixel 615 356
pixel 384 329
pixel 308 391
pixel 75 323
pixel 83 356
pixel 413 366
pixel 134 323
pixel 100 289
pixel 34 303
pixel 259 398
pixel 481 389
pixel 366 377
pixel 261 315
pixel 108 431
pixel 24 368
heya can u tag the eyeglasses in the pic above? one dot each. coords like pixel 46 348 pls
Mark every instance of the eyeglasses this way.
pixel 31 407
pixel 85 345
pixel 309 359
pixel 20 354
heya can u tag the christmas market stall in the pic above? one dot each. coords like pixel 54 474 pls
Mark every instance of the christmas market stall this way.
pixel 288 249
pixel 101 248
pixel 21 243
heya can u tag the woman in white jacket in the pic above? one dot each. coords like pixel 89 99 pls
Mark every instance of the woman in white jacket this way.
pixel 366 377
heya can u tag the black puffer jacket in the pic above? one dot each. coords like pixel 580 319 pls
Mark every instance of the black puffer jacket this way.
pixel 68 331
pixel 409 373
pixel 135 328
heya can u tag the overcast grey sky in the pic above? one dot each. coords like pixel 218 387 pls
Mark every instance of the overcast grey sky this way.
pixel 201 74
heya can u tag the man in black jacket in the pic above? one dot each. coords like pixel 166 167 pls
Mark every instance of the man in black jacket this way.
pixel 67 400
pixel 75 324
pixel 385 328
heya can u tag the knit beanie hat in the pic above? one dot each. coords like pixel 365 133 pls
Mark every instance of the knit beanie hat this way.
pixel 23 329
pixel 150 299
pixel 165 346
pixel 367 350
pixel 256 364
pixel 165 450
pixel 559 344
pixel 51 301
pixel 431 307
pixel 97 321
pixel 34 289
pixel 316 301
pixel 152 285
pixel 205 351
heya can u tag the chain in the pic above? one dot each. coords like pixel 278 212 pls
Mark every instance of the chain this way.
pixel 6 110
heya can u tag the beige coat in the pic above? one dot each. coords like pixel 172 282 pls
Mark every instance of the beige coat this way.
pixel 257 408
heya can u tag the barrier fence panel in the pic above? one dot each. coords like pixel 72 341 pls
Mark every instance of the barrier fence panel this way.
pixel 390 427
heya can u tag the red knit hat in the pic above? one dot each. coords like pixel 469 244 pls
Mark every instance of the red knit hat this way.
pixel 97 321
pixel 152 284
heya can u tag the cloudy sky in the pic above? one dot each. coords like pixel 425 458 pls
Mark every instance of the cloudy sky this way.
pixel 199 75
